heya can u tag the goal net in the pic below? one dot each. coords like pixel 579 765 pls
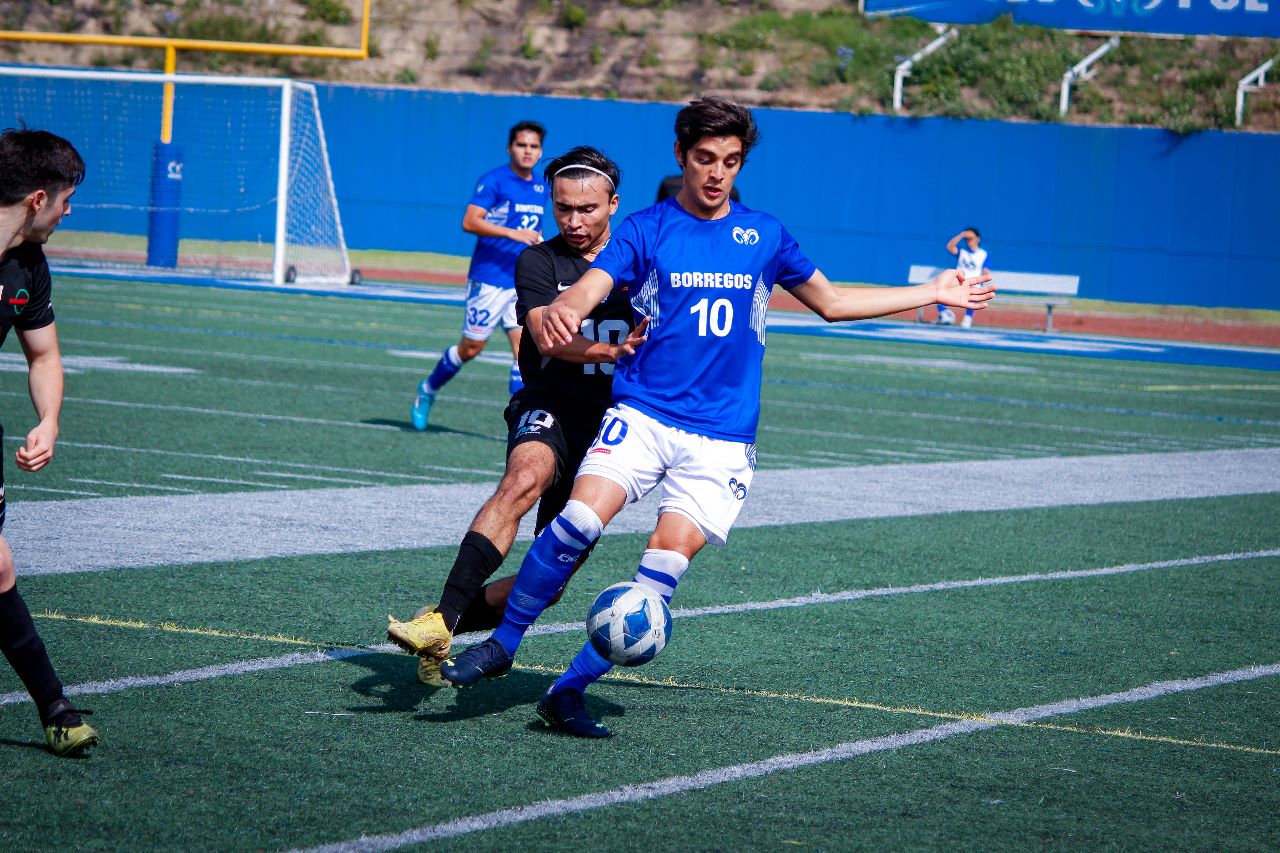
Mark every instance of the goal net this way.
pixel 220 176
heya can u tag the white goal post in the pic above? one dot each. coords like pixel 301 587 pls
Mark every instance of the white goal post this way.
pixel 229 179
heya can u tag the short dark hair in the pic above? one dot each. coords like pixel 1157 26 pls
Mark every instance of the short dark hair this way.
pixel 716 117
pixel 521 126
pixel 976 232
pixel 583 155
pixel 33 160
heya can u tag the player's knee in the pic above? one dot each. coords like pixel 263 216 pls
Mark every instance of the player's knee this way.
pixel 520 490
pixel 469 349
pixel 8 577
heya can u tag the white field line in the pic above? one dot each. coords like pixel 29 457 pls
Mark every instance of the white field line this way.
pixel 204 673
pixel 249 460
pixel 276 319
pixel 97 534
pixel 25 488
pixel 912 414
pixel 1157 441
pixel 812 599
pixel 232 413
pixel 855 437
pixel 975 374
pixel 223 481
pixel 673 785
pixel 251 357
pixel 133 485
pixel 313 478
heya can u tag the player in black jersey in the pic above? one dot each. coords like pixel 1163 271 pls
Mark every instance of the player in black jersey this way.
pixel 39 173
pixel 551 421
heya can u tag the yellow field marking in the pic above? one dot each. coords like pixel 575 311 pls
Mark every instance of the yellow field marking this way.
pixel 174 628
pixel 631 678
pixel 1210 387
pixel 923 712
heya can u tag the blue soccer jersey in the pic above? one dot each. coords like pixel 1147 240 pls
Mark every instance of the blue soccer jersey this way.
pixel 704 285
pixel 512 202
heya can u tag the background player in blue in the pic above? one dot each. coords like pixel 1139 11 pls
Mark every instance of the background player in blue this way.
pixel 972 260
pixel 39 173
pixel 551 421
pixel 686 405
pixel 505 213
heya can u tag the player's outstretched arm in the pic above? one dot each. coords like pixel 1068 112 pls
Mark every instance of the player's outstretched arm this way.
pixel 583 350
pixel 474 222
pixel 833 303
pixel 563 318
pixel 44 381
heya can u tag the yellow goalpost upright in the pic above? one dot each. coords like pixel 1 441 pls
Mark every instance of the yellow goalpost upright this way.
pixel 227 204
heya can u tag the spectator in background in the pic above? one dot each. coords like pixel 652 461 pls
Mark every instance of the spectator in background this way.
pixel 972 262
pixel 505 213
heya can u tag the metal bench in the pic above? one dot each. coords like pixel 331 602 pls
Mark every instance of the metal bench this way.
pixel 1029 287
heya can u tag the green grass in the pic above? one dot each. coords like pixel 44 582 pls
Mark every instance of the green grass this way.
pixel 327 752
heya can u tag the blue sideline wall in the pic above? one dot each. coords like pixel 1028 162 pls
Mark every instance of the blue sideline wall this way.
pixel 1140 215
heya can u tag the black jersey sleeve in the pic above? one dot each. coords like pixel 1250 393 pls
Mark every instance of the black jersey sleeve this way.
pixel 535 280
pixel 33 309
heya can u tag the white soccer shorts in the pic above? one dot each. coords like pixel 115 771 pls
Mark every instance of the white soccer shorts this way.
pixel 704 479
pixel 487 306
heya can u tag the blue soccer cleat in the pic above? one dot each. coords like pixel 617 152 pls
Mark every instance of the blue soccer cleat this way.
pixel 566 710
pixel 487 660
pixel 420 411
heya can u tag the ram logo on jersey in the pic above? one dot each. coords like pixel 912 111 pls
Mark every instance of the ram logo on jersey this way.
pixel 746 237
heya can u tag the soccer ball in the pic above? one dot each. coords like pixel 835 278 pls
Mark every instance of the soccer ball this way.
pixel 629 624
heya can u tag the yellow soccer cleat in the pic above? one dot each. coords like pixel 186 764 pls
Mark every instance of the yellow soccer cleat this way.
pixel 65 731
pixel 429 672
pixel 424 635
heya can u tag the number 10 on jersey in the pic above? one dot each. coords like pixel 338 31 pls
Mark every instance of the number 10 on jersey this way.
pixel 714 316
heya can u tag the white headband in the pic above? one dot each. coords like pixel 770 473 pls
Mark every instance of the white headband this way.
pixel 588 168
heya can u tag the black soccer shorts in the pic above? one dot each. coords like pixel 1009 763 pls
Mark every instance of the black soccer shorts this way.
pixel 566 426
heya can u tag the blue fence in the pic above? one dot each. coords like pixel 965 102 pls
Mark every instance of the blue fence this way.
pixel 1140 215
pixel 1248 18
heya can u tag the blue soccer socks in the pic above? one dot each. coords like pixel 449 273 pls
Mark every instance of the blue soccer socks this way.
pixel 516 381
pixel 586 669
pixel 545 570
pixel 446 368
pixel 660 571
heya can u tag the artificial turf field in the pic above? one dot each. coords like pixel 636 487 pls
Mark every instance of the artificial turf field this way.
pixel 1051 652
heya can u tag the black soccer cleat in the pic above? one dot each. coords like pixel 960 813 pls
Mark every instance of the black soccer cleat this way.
pixel 566 710
pixel 487 660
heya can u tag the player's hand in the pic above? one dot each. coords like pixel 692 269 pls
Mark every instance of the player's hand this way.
pixel 635 338
pixel 38 450
pixel 953 289
pixel 524 235
pixel 560 322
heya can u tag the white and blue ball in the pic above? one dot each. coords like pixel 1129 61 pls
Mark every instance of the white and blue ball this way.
pixel 629 624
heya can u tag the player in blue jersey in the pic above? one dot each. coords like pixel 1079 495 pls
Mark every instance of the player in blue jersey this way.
pixel 505 213
pixel 700 268
pixel 972 260
pixel 39 173
pixel 552 420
